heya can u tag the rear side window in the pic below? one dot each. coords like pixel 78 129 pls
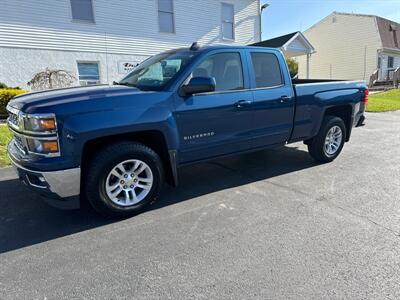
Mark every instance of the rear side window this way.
pixel 267 71
pixel 225 68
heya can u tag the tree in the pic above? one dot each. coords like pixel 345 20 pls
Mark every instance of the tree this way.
pixel 293 66
pixel 51 79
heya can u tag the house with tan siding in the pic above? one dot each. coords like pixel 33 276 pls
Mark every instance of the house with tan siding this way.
pixel 352 46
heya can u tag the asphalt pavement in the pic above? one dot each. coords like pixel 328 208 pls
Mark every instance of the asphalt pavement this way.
pixel 266 225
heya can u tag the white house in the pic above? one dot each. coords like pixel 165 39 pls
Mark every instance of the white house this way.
pixel 99 41
pixel 352 46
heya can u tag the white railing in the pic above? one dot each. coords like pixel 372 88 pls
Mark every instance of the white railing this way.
pixel 396 77
pixel 373 78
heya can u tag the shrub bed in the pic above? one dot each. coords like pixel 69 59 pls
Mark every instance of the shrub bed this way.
pixel 5 96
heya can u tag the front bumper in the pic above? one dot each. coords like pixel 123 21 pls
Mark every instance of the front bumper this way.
pixel 58 188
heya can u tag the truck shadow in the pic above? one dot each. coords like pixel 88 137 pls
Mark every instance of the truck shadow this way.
pixel 26 220
pixel 235 171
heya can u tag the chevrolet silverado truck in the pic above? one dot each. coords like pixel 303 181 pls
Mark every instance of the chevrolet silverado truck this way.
pixel 115 145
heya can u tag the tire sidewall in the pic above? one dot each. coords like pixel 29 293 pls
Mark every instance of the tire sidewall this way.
pixel 327 126
pixel 101 175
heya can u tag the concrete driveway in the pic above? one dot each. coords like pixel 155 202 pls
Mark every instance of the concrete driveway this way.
pixel 268 225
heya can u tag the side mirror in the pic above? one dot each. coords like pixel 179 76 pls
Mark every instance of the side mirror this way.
pixel 199 85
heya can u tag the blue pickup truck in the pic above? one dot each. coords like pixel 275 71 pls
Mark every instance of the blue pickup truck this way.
pixel 115 145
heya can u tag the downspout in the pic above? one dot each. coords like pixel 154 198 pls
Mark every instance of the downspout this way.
pixel 260 10
pixel 260 20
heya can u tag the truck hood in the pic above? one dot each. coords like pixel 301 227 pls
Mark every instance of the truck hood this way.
pixel 48 101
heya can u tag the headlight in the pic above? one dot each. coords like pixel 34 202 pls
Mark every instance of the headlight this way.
pixel 40 124
pixel 46 147
pixel 34 133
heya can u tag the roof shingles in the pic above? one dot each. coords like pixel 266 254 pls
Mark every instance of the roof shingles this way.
pixel 276 42
pixel 389 32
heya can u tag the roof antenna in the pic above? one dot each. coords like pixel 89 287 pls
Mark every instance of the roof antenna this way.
pixel 195 46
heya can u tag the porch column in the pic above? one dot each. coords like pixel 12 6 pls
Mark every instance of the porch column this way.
pixel 308 65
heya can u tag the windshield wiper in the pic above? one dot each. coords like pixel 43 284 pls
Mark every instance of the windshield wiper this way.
pixel 126 84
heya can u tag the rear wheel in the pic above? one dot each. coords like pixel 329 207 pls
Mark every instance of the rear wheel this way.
pixel 123 179
pixel 329 142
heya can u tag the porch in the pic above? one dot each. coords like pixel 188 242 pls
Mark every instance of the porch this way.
pixel 387 73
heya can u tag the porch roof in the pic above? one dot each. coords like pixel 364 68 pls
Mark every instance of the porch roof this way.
pixel 292 44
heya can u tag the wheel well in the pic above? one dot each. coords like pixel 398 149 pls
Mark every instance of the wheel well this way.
pixel 153 139
pixel 344 112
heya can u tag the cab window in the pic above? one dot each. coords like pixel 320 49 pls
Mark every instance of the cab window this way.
pixel 267 71
pixel 225 68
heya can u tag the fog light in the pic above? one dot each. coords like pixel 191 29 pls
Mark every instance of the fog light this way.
pixel 50 146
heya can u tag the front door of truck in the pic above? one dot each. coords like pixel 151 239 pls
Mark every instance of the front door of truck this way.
pixel 216 123
pixel 274 100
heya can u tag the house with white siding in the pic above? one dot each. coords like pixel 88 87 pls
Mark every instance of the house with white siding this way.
pixel 352 46
pixel 99 41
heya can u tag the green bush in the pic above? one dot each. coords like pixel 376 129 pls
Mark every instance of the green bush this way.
pixel 5 96
pixel 3 85
pixel 293 66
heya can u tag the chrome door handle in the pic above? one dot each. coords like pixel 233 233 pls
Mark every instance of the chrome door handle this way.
pixel 243 103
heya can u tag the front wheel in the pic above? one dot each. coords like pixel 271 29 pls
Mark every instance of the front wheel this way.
pixel 329 142
pixel 122 179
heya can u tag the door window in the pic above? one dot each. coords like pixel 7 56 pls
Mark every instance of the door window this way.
pixel 225 68
pixel 267 71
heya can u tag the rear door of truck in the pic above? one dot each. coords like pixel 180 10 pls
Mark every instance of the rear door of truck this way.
pixel 273 94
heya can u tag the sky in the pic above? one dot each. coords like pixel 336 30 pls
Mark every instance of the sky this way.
pixel 286 16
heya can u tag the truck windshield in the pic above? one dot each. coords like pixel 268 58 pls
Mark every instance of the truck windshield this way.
pixel 155 73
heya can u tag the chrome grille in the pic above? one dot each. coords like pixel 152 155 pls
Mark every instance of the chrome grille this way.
pixel 13 117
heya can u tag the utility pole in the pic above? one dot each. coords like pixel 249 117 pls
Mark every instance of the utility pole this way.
pixel 264 6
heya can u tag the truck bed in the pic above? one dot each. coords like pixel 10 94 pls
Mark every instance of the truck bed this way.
pixel 315 96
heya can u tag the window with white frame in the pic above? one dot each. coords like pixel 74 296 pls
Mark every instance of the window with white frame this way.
pixel 228 21
pixel 166 16
pixel 82 10
pixel 88 73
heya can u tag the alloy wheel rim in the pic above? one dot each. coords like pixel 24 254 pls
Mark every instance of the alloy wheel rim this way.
pixel 129 182
pixel 333 140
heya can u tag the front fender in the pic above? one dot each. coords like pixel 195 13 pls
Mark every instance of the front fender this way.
pixel 80 129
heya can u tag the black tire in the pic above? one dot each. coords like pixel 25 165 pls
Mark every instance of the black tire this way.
pixel 101 165
pixel 316 144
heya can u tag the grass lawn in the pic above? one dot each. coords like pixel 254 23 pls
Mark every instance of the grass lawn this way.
pixel 385 101
pixel 5 137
